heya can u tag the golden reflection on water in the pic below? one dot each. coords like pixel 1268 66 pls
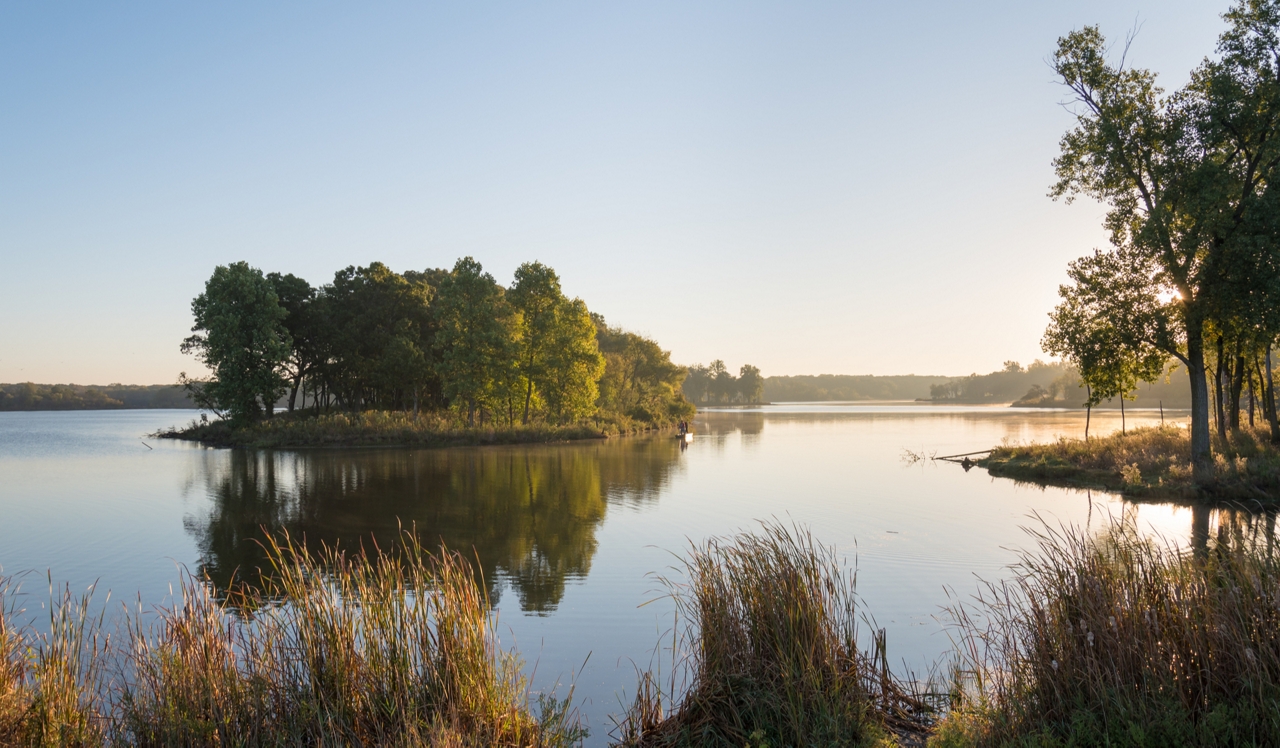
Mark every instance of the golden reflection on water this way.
pixel 528 514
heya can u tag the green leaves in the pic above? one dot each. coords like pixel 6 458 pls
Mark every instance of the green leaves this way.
pixel 240 335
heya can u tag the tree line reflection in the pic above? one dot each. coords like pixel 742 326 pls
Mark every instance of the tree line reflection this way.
pixel 528 514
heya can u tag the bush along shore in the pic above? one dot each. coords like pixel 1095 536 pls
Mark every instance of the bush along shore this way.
pixel 396 429
pixel 1152 462
pixel 1096 639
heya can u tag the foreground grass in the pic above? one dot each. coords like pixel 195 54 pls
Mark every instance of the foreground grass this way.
pixel 341 650
pixel 392 428
pixel 1146 462
pixel 1106 639
pixel 1115 640
pixel 772 655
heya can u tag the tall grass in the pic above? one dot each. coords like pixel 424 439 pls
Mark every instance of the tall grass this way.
pixel 51 683
pixel 386 649
pixel 772 653
pixel 1119 640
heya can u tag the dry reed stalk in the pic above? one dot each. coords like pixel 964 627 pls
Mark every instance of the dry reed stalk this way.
pixel 379 649
pixel 771 653
pixel 1115 638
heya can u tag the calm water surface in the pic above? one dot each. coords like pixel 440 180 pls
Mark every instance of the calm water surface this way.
pixel 568 535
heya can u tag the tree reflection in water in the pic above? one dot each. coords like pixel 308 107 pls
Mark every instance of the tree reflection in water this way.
pixel 529 514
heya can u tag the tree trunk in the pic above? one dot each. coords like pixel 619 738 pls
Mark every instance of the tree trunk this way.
pixel 1237 385
pixel 1088 411
pixel 1122 429
pixel 1271 401
pixel 1252 398
pixel 1201 460
pixel 1217 391
pixel 528 395
pixel 293 393
pixel 415 402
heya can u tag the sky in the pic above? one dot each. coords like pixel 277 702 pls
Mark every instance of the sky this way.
pixel 844 188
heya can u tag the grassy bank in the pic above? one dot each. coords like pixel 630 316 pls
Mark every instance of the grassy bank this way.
pixel 1151 462
pixel 395 650
pixel 393 428
pixel 1115 640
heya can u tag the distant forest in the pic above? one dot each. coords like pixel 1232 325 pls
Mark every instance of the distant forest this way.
pixel 837 387
pixel 29 396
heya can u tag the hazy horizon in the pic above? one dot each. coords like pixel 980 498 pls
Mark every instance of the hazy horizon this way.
pixel 817 189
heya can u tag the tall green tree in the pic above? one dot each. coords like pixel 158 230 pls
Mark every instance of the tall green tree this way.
pixel 1183 176
pixel 573 364
pixel 305 328
pixel 536 295
pixel 475 342
pixel 240 336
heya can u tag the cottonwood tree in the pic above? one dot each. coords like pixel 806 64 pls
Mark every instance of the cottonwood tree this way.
pixel 1183 176
pixel 240 336
pixel 536 295
pixel 475 342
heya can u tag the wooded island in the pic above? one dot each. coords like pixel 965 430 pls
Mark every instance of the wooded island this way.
pixel 378 356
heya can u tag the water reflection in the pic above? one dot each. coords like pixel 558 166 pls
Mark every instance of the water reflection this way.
pixel 529 514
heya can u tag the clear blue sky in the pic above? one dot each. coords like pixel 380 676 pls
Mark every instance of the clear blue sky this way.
pixel 809 187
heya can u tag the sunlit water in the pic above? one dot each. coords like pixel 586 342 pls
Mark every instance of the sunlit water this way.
pixel 568 535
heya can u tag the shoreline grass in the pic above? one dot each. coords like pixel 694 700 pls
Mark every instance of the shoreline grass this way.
pixel 1118 640
pixel 378 428
pixel 1150 462
pixel 771 654
pixel 394 650
pixel 1107 638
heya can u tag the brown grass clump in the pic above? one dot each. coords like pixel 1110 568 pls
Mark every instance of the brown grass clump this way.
pixel 1117 640
pixel 1152 461
pixel 772 654
pixel 391 649
pixel 50 683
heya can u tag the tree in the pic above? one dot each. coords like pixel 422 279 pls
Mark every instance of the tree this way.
pixel 240 335
pixel 750 384
pixel 1183 176
pixel 639 379
pixel 304 326
pixel 536 295
pixel 476 345
pixel 1109 326
pixel 573 364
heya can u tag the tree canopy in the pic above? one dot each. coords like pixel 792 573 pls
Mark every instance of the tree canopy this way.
pixel 444 340
pixel 1187 181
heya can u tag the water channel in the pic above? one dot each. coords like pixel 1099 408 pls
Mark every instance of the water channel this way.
pixel 569 535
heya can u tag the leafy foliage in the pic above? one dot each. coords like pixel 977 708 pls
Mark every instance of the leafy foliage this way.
pixel 447 341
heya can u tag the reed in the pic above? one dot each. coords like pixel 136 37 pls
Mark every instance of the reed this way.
pixel 1118 640
pixel 380 649
pixel 771 654
pixel 51 683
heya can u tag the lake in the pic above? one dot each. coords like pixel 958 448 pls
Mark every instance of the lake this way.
pixel 569 535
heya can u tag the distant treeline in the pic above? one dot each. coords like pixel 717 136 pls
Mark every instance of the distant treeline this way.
pixel 834 387
pixel 29 396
